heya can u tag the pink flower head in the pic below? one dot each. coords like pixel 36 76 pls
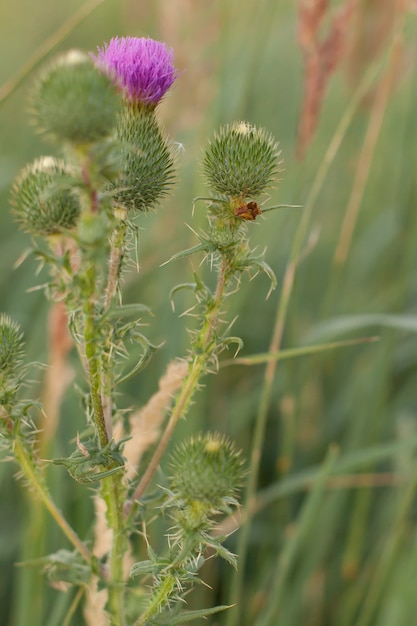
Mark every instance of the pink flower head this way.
pixel 142 67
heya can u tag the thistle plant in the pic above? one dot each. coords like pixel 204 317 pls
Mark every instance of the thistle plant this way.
pixel 81 209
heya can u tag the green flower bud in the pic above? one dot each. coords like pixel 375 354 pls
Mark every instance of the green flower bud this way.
pixel 75 102
pixel 241 161
pixel 43 201
pixel 11 350
pixel 207 470
pixel 147 163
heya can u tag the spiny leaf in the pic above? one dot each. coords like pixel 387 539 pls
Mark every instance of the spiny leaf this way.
pixel 201 247
pixel 148 350
pixel 224 343
pixel 147 567
pixel 119 312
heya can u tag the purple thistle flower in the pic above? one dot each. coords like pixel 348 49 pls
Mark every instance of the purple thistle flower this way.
pixel 142 67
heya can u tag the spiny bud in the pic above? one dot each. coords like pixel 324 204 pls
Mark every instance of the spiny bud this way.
pixel 206 469
pixel 241 161
pixel 147 163
pixel 43 201
pixel 75 102
pixel 11 350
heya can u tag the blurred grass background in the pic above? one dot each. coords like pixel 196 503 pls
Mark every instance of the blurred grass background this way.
pixel 341 549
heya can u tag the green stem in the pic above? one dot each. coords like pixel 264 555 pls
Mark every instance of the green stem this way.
pixel 159 598
pixel 116 256
pixel 113 276
pixel 110 492
pixel 91 318
pixel 74 605
pixel 196 369
pixel 93 360
pixel 100 393
pixel 32 476
pixel 111 485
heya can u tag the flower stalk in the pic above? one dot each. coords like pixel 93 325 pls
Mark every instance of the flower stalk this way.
pixel 96 346
pixel 93 362
pixel 197 367
pixel 165 588
pixel 116 256
pixel 111 486
pixel 110 493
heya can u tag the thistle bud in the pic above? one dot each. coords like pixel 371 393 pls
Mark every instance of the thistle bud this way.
pixel 11 351
pixel 75 102
pixel 43 201
pixel 147 163
pixel 241 161
pixel 207 470
pixel 143 70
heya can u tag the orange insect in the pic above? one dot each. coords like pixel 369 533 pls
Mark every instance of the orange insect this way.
pixel 248 211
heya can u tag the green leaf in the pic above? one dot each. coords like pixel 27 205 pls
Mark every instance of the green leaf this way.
pixel 145 567
pixel 201 247
pixel 212 200
pixel 237 341
pixel 265 357
pixel 174 290
pixel 282 206
pixel 224 553
pixel 350 462
pixel 201 290
pixel 171 619
pixel 63 566
pixel 148 350
pixel 345 324
pixel 89 463
pixel 264 267
pixel 119 312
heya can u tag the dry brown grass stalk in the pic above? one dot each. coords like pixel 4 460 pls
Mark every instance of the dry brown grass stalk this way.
pixel 376 118
pixel 145 424
pixel 59 373
pixel 372 29
pixel 94 612
pixel 322 56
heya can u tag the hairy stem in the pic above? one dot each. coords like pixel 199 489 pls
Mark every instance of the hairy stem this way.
pixel 111 485
pixel 101 401
pixel 110 492
pixel 159 598
pixel 93 358
pixel 196 369
pixel 116 256
pixel 113 276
